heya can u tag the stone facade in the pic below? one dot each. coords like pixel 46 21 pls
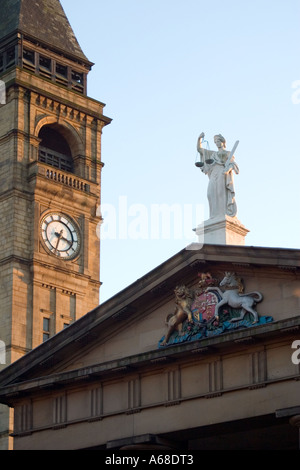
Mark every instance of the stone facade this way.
pixel 105 383
pixel 108 381
pixel 29 189
pixel 38 287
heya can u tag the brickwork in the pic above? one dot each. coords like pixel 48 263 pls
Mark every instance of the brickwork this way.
pixel 32 189
pixel 38 289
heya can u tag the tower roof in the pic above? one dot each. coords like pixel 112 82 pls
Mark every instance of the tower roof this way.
pixel 41 20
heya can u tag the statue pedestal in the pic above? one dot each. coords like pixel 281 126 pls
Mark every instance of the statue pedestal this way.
pixel 222 231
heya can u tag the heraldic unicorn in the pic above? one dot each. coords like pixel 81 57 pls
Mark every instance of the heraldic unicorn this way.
pixel 212 309
pixel 234 297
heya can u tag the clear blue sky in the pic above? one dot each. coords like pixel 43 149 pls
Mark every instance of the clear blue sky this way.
pixel 168 70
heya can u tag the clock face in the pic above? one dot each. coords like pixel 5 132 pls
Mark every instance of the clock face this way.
pixel 60 235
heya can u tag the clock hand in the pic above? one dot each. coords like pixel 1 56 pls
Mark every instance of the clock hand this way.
pixel 58 240
pixel 66 240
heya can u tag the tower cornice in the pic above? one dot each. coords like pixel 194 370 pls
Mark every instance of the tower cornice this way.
pixel 75 101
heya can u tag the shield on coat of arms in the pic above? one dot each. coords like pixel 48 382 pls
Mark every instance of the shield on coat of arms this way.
pixel 204 305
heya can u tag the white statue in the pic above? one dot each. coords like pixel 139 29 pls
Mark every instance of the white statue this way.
pixel 219 166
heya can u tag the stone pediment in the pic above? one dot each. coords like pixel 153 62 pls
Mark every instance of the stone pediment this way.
pixel 128 330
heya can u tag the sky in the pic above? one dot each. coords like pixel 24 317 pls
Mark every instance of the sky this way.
pixel 168 70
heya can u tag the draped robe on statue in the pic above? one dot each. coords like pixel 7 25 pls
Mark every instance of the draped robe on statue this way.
pixel 220 192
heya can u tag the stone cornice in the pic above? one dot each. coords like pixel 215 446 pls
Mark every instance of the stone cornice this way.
pixel 71 99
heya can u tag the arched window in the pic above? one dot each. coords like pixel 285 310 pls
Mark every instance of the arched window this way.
pixel 54 149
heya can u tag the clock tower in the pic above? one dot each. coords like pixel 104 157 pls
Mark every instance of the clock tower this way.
pixel 50 178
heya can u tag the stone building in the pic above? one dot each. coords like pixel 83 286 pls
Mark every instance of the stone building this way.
pixel 200 353
pixel 109 382
pixel 50 157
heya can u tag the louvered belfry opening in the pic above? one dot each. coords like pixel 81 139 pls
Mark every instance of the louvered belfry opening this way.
pixel 54 150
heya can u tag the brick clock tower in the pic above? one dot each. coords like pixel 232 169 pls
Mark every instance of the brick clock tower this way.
pixel 50 178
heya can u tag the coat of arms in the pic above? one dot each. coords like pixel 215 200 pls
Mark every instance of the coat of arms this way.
pixel 209 310
pixel 204 306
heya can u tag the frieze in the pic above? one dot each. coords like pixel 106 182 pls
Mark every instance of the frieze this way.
pixel 211 309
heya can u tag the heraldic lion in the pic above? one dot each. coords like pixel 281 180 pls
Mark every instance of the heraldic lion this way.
pixel 184 298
